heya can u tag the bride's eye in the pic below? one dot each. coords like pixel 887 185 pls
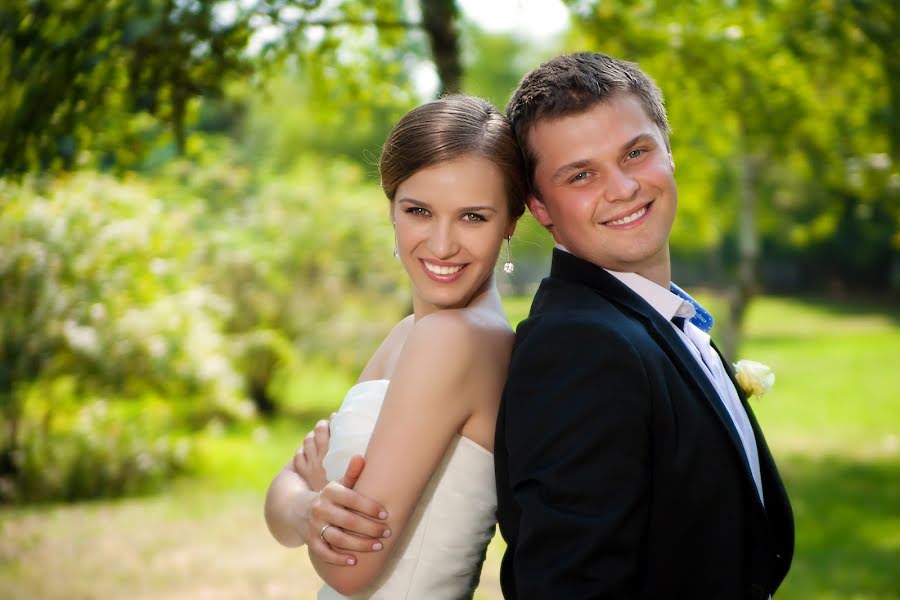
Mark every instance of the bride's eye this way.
pixel 475 217
pixel 417 211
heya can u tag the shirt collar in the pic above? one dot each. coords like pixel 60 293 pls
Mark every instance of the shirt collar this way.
pixel 662 300
pixel 672 302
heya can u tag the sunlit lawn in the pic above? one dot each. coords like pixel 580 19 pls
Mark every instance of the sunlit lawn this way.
pixel 833 422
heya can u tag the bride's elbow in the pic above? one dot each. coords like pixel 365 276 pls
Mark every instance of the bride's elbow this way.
pixel 348 588
pixel 348 581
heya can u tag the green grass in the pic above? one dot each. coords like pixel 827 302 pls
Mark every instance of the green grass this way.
pixel 838 376
pixel 832 421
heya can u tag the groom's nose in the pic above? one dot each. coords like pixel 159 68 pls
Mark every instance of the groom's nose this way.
pixel 620 185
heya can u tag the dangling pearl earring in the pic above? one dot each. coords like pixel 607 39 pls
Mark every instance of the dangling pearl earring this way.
pixel 396 252
pixel 508 266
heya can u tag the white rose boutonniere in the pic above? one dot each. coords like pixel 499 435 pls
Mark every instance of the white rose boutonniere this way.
pixel 756 379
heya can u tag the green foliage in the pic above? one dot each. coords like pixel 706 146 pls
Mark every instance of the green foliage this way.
pixel 74 449
pixel 94 83
pixel 308 255
pixel 97 282
pixel 208 304
pixel 295 115
pixel 69 67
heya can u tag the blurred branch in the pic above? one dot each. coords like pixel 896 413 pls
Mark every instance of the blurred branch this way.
pixel 380 23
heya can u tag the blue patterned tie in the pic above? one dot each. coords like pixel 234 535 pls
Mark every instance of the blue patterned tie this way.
pixel 701 319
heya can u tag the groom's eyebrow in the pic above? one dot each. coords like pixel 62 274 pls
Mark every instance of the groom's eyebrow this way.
pixel 641 138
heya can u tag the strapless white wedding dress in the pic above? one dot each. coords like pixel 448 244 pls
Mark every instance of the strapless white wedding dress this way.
pixel 439 555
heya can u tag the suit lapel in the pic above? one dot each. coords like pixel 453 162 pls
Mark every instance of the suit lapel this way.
pixel 773 487
pixel 569 267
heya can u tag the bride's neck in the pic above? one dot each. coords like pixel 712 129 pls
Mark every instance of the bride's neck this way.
pixel 486 298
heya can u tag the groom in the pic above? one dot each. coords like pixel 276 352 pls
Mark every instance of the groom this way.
pixel 628 462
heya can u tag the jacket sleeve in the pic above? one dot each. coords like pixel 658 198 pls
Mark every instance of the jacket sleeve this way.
pixel 577 428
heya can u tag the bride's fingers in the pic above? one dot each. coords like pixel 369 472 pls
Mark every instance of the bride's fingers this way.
pixel 322 436
pixel 324 552
pixel 309 446
pixel 350 521
pixel 340 540
pixel 299 459
pixel 342 496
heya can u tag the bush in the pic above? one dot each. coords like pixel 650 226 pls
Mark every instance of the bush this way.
pixel 205 305
pixel 72 449
pixel 97 290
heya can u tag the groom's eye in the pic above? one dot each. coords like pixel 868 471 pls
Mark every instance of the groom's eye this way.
pixel 580 176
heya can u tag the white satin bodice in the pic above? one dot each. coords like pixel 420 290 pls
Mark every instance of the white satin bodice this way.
pixel 440 553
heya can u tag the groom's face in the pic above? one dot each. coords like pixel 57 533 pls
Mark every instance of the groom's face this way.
pixel 607 186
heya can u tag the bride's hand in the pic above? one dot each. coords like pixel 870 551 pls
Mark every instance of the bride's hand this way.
pixel 341 519
pixel 309 456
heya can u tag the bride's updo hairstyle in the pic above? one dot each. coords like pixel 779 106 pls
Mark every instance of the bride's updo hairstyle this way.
pixel 448 128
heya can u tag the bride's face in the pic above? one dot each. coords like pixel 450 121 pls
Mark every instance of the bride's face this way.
pixel 451 220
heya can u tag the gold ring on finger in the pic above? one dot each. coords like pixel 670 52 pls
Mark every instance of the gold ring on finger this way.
pixel 322 532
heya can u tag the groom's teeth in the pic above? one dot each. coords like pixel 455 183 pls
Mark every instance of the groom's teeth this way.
pixel 441 270
pixel 629 218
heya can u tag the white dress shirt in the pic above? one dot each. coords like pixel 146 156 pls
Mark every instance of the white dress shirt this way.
pixel 697 341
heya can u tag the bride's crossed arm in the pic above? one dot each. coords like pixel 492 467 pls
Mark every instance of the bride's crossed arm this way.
pixel 300 499
pixel 439 379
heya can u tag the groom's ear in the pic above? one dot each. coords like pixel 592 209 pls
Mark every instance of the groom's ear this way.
pixel 539 210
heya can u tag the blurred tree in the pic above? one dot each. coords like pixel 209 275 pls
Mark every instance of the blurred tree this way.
pixel 72 67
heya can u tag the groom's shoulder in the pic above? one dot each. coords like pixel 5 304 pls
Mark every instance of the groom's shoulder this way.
pixel 560 300
pixel 561 313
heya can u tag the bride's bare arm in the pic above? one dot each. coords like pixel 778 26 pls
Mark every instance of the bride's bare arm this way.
pixel 300 501
pixel 429 399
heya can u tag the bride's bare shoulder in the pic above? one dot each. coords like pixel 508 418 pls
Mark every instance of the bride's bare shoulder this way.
pixel 473 335
pixel 382 362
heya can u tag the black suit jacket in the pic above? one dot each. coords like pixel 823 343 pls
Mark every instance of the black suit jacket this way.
pixel 619 472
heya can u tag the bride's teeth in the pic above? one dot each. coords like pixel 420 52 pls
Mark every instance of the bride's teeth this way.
pixel 630 217
pixel 441 270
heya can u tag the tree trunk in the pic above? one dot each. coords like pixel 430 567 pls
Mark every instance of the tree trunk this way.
pixel 439 19
pixel 178 115
pixel 744 287
pixel 8 464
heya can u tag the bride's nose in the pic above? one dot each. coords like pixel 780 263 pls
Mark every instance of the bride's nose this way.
pixel 442 240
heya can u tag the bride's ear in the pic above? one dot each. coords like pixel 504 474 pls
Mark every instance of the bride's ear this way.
pixel 510 229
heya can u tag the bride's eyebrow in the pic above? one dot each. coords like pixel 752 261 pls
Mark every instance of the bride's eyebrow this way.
pixel 407 200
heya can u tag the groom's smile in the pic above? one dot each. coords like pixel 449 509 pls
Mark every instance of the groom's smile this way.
pixel 632 219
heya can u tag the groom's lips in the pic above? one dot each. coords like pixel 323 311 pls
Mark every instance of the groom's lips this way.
pixel 630 219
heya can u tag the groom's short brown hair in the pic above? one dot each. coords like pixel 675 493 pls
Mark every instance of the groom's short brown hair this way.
pixel 573 83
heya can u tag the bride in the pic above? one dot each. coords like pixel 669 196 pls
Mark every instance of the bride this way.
pixel 415 521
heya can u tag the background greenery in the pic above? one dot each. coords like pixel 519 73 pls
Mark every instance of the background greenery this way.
pixel 195 258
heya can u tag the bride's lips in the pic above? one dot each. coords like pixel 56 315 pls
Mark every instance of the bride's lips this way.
pixel 630 219
pixel 442 271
